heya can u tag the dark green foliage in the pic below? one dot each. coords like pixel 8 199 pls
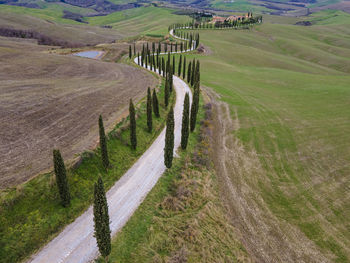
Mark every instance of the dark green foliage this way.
pixel 133 138
pixel 149 110
pixel 193 71
pixel 185 122
pixel 189 72
pixel 166 93
pixel 194 107
pixel 184 69
pixel 61 178
pixel 170 79
pixel 169 139
pixel 180 65
pixel 173 67
pixel 134 49
pixel 102 231
pixel 130 55
pixel 155 104
pixel 103 144
pixel 197 78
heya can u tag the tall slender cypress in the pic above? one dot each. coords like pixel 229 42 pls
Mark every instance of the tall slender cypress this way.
pixel 189 72
pixel 185 122
pixel 133 138
pixel 194 107
pixel 149 110
pixel 193 72
pixel 61 178
pixel 102 231
pixel 169 139
pixel 198 73
pixel 184 68
pixel 163 67
pixel 180 65
pixel 166 93
pixel 170 79
pixel 134 49
pixel 103 143
pixel 173 67
pixel 130 55
pixel 155 104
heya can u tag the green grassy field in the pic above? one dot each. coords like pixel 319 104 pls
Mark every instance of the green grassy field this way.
pixel 145 20
pixel 32 214
pixel 288 89
pixel 128 23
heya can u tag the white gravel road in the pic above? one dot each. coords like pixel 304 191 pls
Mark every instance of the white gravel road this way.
pixel 76 243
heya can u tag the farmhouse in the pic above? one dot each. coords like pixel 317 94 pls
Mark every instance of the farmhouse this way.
pixel 218 19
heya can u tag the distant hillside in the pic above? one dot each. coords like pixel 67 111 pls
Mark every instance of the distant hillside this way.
pixel 101 6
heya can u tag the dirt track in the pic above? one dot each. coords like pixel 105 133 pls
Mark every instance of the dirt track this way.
pixel 50 101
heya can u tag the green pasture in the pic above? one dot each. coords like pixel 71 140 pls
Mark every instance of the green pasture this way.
pixel 290 88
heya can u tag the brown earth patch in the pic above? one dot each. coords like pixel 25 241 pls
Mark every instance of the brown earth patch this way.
pixel 52 101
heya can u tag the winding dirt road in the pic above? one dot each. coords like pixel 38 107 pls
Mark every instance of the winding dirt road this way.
pixel 76 243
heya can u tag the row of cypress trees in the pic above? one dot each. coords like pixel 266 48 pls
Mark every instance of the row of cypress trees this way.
pixel 146 52
pixel 102 230
pixel 193 78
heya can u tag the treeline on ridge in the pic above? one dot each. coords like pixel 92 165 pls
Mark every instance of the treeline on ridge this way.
pixel 42 39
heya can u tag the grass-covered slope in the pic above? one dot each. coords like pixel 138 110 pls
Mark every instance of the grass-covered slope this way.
pixel 287 88
pixel 145 20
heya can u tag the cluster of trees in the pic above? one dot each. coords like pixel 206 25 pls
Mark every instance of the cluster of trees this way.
pixel 151 55
pixel 42 39
pixel 202 24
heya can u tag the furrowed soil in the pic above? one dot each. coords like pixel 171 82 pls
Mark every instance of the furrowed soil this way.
pixel 52 101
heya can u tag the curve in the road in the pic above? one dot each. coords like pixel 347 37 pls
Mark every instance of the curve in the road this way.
pixel 76 243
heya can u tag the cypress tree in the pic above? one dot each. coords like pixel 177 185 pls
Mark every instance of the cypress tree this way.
pixel 134 49
pixel 149 110
pixel 166 93
pixel 133 138
pixel 163 65
pixel 169 139
pixel 173 67
pixel 180 65
pixel 184 68
pixel 155 104
pixel 194 107
pixel 189 72
pixel 185 122
pixel 198 73
pixel 103 144
pixel 197 41
pixel 102 231
pixel 193 72
pixel 170 79
pixel 130 55
pixel 160 66
pixel 61 178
